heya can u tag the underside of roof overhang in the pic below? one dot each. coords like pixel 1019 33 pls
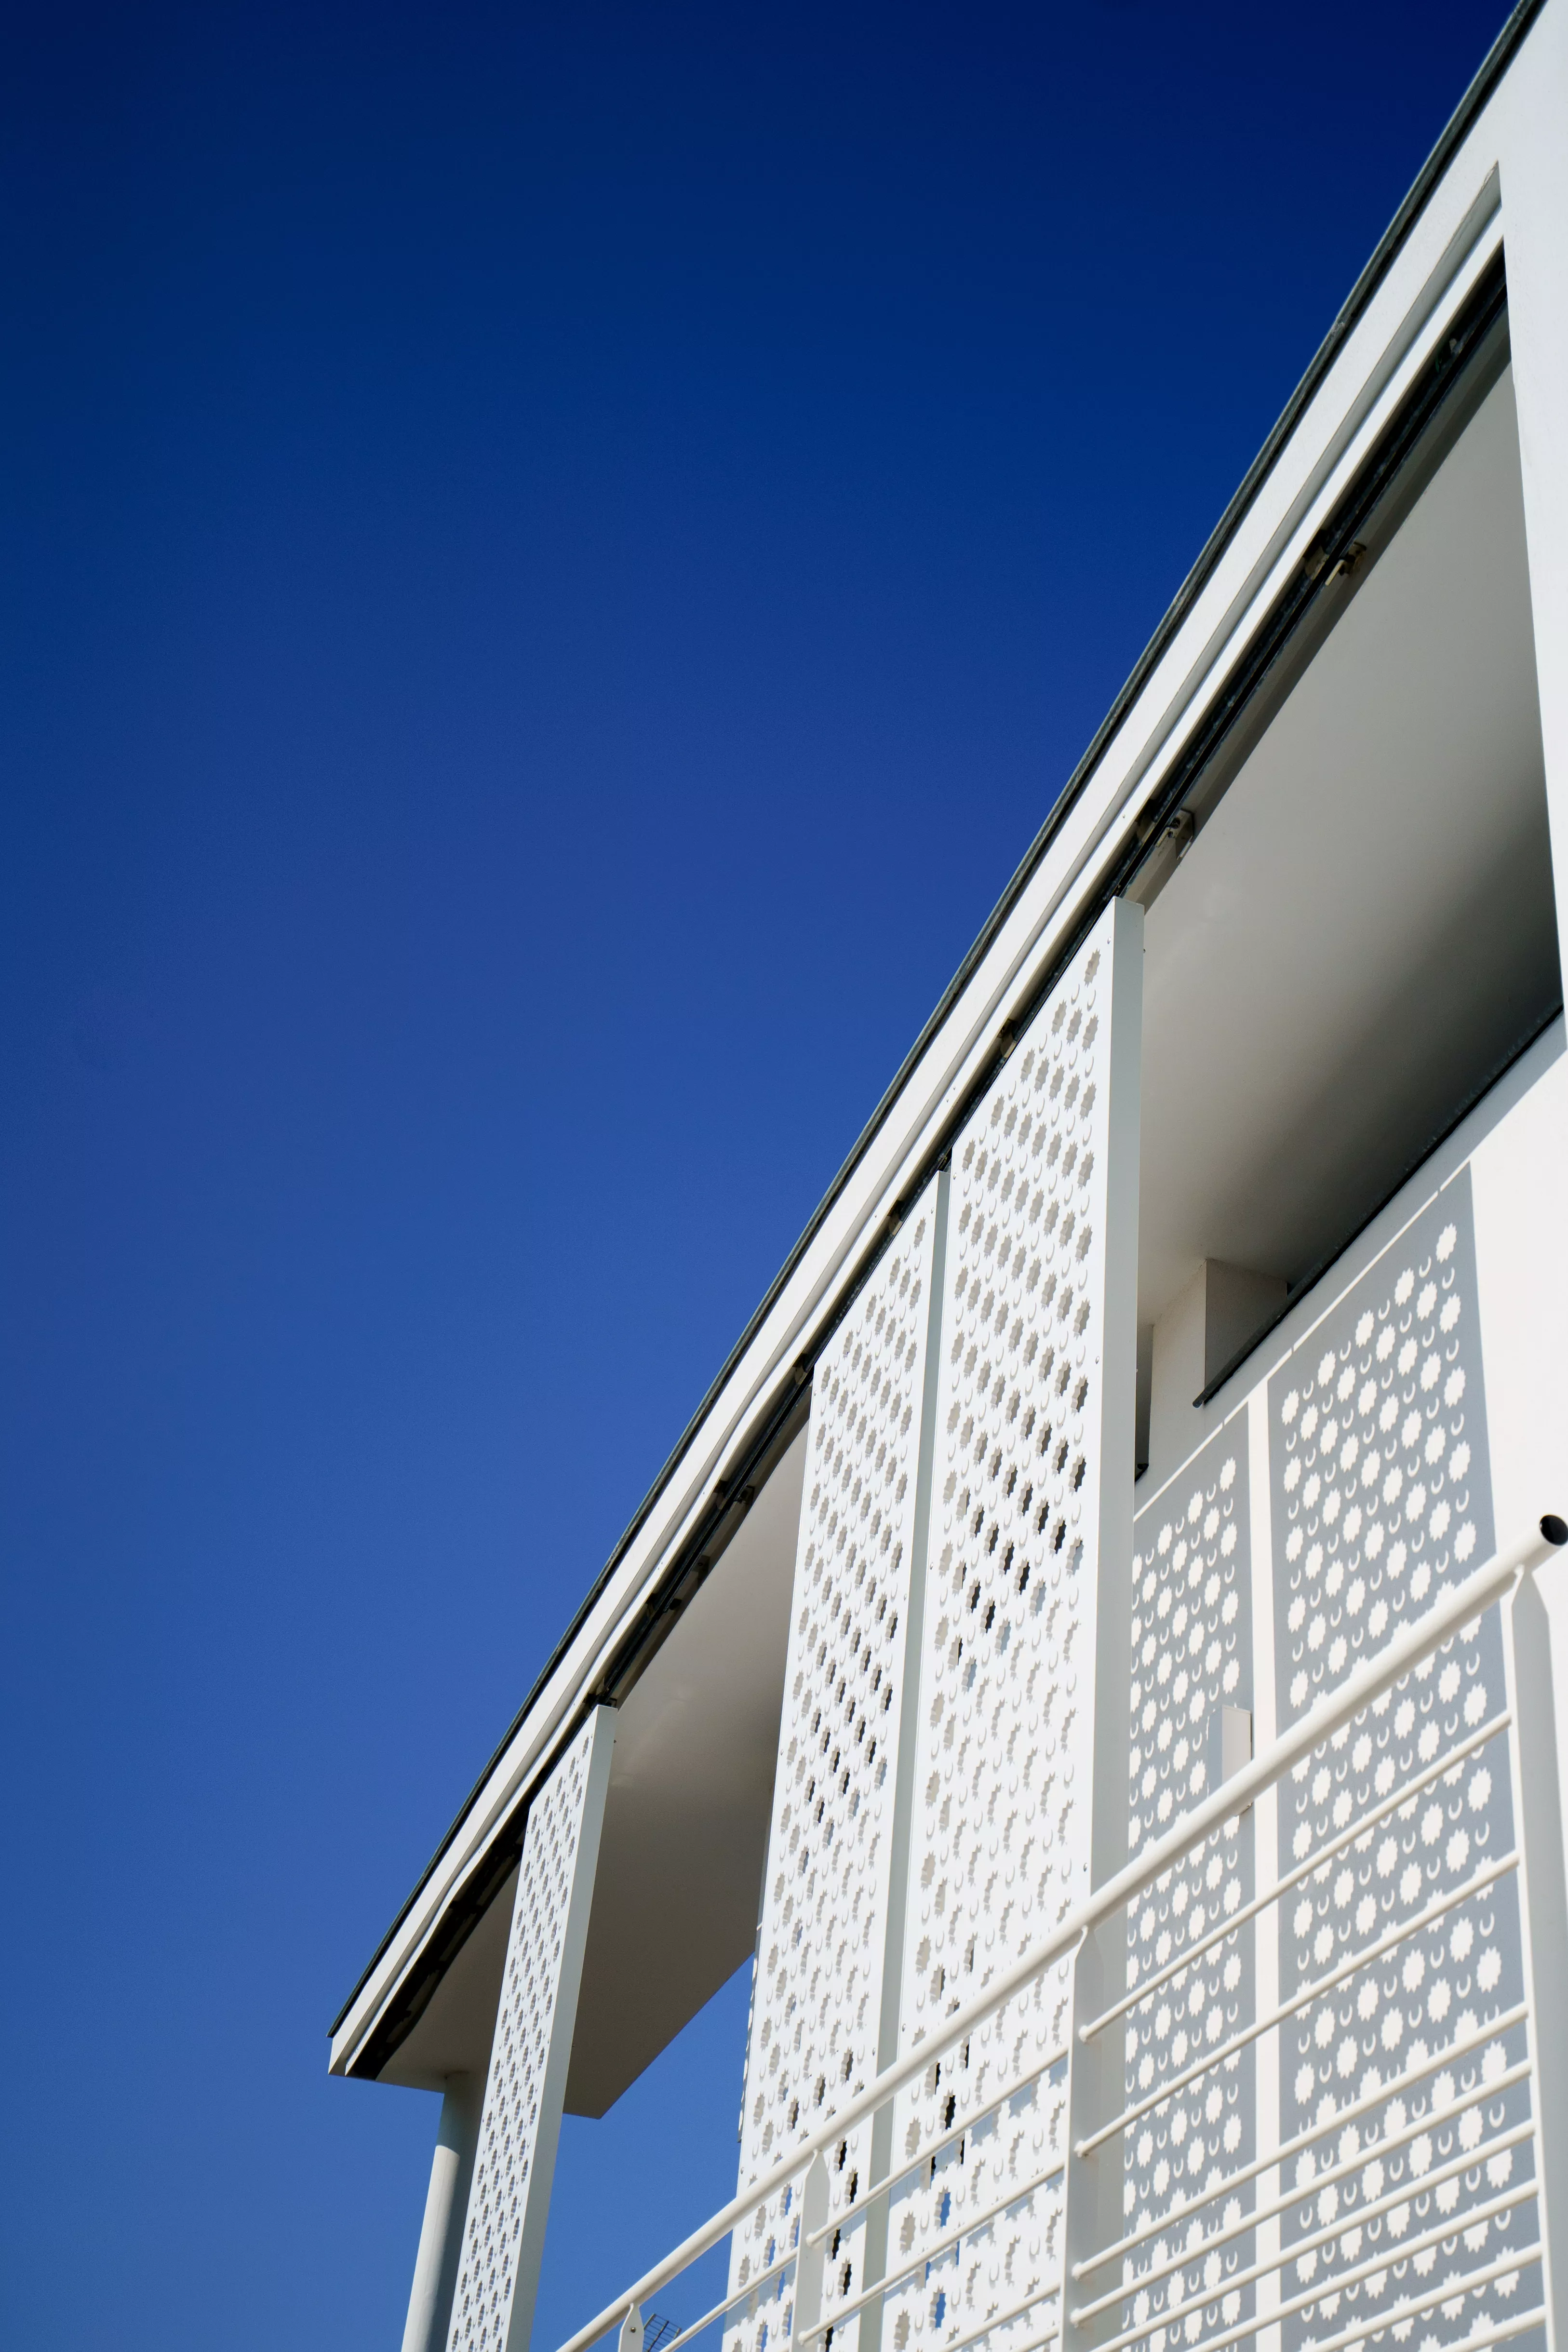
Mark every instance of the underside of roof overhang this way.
pixel 1360 926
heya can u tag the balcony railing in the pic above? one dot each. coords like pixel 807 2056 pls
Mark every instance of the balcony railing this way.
pixel 1095 2272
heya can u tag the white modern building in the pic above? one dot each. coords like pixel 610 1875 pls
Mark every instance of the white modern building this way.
pixel 1097 1644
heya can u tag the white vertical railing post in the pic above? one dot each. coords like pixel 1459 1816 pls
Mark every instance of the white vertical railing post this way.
pixel 509 2203
pixel 445 2205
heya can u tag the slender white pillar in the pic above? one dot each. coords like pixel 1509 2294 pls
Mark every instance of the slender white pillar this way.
pixel 445 2204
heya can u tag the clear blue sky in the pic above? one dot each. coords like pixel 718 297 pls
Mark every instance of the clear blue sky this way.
pixel 552 560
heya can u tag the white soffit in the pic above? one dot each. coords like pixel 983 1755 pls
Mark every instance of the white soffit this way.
pixel 1365 925
pixel 691 1792
pixel 684 1840
pixel 455 2033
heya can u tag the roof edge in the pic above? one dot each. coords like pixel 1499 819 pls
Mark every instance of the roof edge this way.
pixel 1456 129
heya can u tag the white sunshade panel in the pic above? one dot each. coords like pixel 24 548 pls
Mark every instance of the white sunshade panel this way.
pixel 509 2203
pixel 817 2023
pixel 1191 1639
pixel 1028 1445
pixel 1399 2093
pixel 1381 1500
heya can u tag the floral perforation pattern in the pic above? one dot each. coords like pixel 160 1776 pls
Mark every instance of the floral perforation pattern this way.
pixel 509 2124
pixel 1192 1657
pixel 1382 1498
pixel 999 1843
pixel 817 1997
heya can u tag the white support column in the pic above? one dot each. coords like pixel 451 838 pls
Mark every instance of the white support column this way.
pixel 445 2205
pixel 508 2205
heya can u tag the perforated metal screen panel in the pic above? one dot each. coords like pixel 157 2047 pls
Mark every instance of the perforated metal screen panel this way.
pixel 1005 1734
pixel 1381 1496
pixel 1192 1658
pixel 509 2203
pixel 817 2010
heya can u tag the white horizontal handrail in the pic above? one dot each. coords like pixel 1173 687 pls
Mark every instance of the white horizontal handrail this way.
pixel 1302 1998
pixel 1364 1824
pixel 1518 2258
pixel 1449 2055
pixel 1303 2139
pixel 1468 2159
pixel 1328 1714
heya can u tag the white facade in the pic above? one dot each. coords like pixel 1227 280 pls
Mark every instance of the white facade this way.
pixel 1106 1594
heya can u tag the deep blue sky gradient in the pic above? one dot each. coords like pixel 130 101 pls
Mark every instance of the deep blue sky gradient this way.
pixel 552 560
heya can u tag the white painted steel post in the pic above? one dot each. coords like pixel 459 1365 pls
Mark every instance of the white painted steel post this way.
pixel 445 2204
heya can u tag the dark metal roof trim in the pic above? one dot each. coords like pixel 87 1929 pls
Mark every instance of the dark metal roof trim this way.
pixel 1480 89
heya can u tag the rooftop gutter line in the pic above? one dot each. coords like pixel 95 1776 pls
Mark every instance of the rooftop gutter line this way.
pixel 1480 87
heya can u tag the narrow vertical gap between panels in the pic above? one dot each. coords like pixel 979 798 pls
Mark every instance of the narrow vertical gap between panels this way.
pixel 1192 1661
pixel 1380 1498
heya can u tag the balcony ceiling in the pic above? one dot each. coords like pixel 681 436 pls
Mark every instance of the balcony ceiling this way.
pixel 1363 928
pixel 691 1792
pixel 685 1832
